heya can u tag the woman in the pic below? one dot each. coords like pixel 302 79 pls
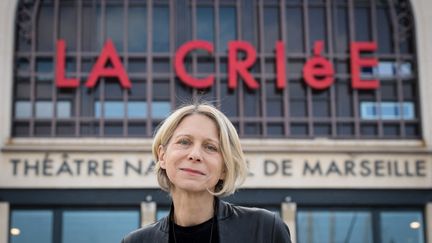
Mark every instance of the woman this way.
pixel 199 159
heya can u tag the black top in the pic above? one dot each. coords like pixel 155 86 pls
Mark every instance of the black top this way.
pixel 202 233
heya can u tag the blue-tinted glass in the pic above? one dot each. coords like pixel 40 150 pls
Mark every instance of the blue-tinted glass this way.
pixel 405 69
pixel 31 226
pixel 227 26
pixel 330 227
pixel 44 109
pixel 137 109
pixel 64 109
pixel 317 26
pixel 44 65
pixel 161 109
pixel 386 69
pixel 161 213
pixel 137 29
pixel 205 24
pixel 402 227
pixel 98 226
pixel 387 110
pixel 22 109
pixel 294 19
pixel 112 109
pixel 114 25
pixel 160 29
pixel 271 29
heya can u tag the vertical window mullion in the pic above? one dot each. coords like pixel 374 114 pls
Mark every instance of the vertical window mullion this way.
pixel 241 102
pixel 216 56
pixel 262 59
pixel 285 98
pixel 102 81
pixel 396 46
pixel 355 92
pixel 308 54
pixel 33 67
pixel 125 64
pixel 172 30
pixel 194 37
pixel 149 96
pixel 79 37
pixel 331 57
pixel 374 35
pixel 57 225
pixel 53 88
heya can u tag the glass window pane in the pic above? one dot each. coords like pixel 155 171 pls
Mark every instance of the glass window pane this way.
pixel 401 227
pixel 64 109
pixel 137 29
pixel 330 226
pixel 112 109
pixel 228 23
pixel 98 226
pixel 205 24
pixel 114 26
pixel 44 109
pixel 137 109
pixel 31 226
pixel 161 109
pixel 22 109
pixel 160 29
pixel 387 110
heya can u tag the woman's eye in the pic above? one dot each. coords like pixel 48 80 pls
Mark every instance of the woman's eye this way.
pixel 211 148
pixel 183 142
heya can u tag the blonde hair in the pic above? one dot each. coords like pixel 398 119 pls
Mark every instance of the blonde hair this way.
pixel 232 153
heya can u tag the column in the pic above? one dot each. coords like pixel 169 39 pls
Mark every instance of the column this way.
pixel 148 213
pixel 289 212
pixel 4 222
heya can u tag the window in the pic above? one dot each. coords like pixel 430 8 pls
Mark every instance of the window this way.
pixel 335 226
pixel 72 225
pixel 387 111
pixel 360 225
pixel 146 48
pixel 31 226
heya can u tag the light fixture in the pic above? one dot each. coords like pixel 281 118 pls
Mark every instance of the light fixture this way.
pixel 15 231
pixel 415 225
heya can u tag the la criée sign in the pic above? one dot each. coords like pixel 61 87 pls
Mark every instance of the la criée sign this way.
pixel 318 71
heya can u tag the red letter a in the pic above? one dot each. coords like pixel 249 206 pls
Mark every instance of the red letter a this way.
pixel 99 69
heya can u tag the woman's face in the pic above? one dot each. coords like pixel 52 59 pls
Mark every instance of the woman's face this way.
pixel 192 158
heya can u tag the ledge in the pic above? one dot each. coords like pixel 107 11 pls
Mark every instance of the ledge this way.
pixel 320 145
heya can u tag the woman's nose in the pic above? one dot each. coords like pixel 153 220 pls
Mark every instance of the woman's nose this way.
pixel 195 154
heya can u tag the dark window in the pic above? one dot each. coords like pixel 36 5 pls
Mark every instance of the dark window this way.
pixel 146 35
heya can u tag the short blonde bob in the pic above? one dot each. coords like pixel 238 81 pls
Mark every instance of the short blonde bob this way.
pixel 232 153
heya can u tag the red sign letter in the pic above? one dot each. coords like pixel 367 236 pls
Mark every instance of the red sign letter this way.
pixel 181 70
pixel 61 80
pixel 99 70
pixel 357 63
pixel 318 72
pixel 235 66
pixel 280 65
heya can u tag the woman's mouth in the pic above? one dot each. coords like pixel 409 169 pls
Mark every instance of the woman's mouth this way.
pixel 192 171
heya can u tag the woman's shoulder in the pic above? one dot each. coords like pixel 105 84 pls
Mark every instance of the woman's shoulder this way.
pixel 154 232
pixel 241 211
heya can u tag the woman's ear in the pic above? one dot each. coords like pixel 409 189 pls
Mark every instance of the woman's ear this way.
pixel 161 156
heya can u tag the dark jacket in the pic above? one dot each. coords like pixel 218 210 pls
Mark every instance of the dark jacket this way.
pixel 236 225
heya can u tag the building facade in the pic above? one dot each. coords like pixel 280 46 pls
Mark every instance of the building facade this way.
pixel 330 99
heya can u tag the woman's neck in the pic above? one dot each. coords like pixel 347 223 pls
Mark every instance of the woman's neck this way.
pixel 192 209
